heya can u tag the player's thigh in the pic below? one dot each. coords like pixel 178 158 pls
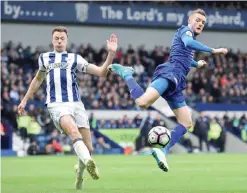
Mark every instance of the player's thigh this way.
pixel 153 92
pixel 148 98
pixel 178 105
pixel 63 118
pixel 86 137
pixel 81 117
pixel 183 116
pixel 68 125
pixel 82 122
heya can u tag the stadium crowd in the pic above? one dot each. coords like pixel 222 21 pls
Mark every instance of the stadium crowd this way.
pixel 223 81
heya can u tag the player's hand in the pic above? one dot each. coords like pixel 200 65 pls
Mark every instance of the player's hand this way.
pixel 112 43
pixel 220 51
pixel 201 63
pixel 21 107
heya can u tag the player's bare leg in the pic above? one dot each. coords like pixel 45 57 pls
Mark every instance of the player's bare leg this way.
pixel 183 116
pixel 185 122
pixel 70 128
pixel 148 98
pixel 80 167
pixel 142 99
pixel 91 165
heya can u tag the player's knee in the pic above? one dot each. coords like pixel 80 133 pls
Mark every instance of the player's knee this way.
pixel 142 103
pixel 74 133
pixel 187 124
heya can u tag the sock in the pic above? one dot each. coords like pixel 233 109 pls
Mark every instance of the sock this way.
pixel 176 135
pixel 82 167
pixel 81 150
pixel 135 90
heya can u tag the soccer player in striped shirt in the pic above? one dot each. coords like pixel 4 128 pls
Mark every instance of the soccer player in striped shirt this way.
pixel 63 99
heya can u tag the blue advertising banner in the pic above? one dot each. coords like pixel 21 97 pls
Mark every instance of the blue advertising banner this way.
pixel 125 14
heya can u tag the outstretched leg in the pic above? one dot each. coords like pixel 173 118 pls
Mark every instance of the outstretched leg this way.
pixel 185 122
pixel 142 99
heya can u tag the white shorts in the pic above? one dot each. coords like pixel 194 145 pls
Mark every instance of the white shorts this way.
pixel 75 109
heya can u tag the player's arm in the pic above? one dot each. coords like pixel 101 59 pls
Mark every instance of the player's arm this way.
pixel 198 64
pixel 195 45
pixel 100 70
pixel 34 86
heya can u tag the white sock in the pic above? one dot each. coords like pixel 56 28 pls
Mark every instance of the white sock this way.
pixel 81 150
pixel 82 167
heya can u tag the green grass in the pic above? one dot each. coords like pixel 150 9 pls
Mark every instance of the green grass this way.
pixel 212 173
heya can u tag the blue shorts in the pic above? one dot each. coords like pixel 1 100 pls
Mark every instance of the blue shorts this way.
pixel 176 84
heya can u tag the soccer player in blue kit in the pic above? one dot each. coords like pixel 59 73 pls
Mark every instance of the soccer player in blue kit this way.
pixel 169 79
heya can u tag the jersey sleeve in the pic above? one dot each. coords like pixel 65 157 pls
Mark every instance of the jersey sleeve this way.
pixel 82 64
pixel 186 32
pixel 194 63
pixel 41 63
pixel 187 37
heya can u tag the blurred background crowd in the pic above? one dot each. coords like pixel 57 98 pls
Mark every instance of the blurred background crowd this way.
pixel 223 80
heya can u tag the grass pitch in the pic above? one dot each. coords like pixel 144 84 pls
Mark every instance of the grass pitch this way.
pixel 202 173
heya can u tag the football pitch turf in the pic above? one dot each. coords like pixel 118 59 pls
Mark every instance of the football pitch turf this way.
pixel 201 173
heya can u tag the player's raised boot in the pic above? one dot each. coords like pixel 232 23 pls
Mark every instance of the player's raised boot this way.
pixel 92 169
pixel 121 70
pixel 79 181
pixel 160 158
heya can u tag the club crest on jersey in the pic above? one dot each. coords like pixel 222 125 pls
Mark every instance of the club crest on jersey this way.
pixel 81 11
pixel 189 33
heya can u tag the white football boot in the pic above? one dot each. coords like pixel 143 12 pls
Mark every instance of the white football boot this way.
pixel 79 181
pixel 92 169
pixel 160 158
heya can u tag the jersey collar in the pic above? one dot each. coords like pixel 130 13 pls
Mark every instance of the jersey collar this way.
pixel 55 52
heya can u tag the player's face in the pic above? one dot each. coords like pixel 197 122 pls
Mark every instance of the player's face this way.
pixel 59 41
pixel 197 23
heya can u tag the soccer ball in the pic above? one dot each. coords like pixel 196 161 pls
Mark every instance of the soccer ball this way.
pixel 159 136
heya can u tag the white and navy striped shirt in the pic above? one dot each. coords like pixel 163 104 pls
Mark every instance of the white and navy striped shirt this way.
pixel 61 85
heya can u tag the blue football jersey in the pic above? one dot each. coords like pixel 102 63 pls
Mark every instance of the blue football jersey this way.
pixel 181 56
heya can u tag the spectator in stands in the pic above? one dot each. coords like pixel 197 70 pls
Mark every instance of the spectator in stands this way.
pixel 102 146
pixel 138 120
pixel 131 124
pixel 93 122
pixel 139 68
pixel 158 122
pixel 201 129
pixel 102 124
pixel 236 126
pixel 33 149
pixel 2 129
pixel 113 124
pixel 216 135
pixel 54 145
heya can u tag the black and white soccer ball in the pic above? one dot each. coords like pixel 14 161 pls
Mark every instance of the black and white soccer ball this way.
pixel 159 136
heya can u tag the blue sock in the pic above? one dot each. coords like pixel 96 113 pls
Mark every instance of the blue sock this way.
pixel 176 135
pixel 135 90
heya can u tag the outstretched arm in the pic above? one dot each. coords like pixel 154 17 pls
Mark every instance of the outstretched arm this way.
pixel 102 70
pixel 34 86
pixel 195 45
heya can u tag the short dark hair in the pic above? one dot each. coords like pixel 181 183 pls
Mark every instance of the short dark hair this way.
pixel 60 29
pixel 200 11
